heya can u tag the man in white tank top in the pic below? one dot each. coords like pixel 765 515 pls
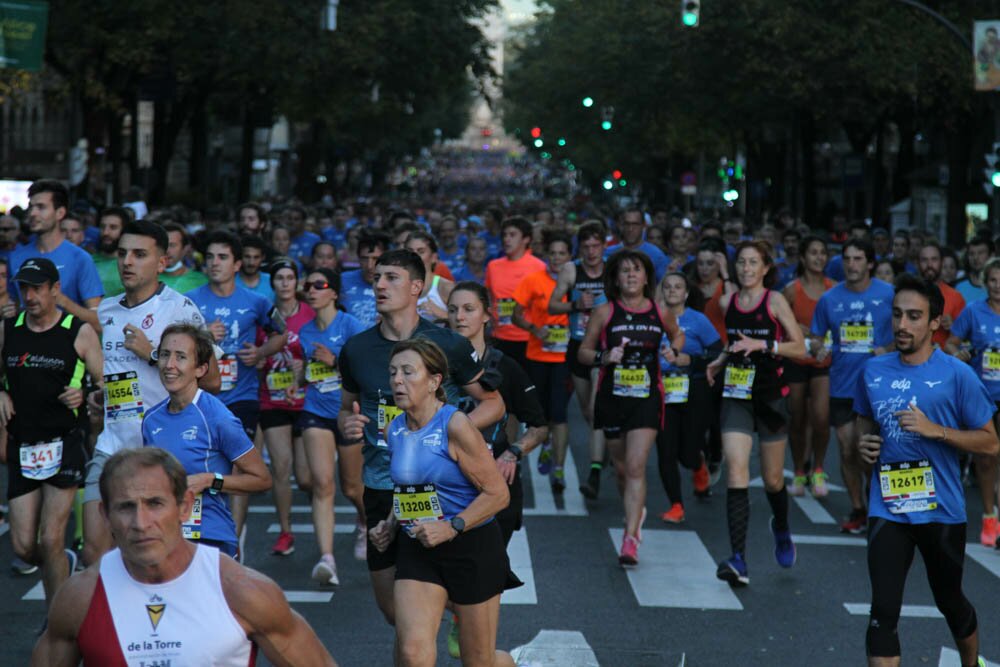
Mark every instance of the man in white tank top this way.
pixel 159 599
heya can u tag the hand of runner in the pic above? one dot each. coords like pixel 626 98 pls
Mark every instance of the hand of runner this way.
pixel 354 424
pixel 507 467
pixel 712 369
pixel 432 533
pixel 615 354
pixel 6 408
pixel 869 445
pixel 668 353
pixel 381 535
pixel 72 397
pixel 586 300
pixel 963 354
pixel 218 330
pixel 136 342
pixel 914 420
pixel 541 333
pixel 323 354
pixel 95 401
pixel 249 355
pixel 748 345
pixel 200 481
pixel 9 309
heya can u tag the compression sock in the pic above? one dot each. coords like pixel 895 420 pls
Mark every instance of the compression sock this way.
pixel 779 507
pixel 738 516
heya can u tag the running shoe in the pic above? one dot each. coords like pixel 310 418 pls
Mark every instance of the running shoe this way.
pixel 325 572
pixel 856 523
pixel 733 571
pixel 558 481
pixel 989 534
pixel 22 567
pixel 674 515
pixel 629 556
pixel 284 545
pixel 702 481
pixel 592 486
pixel 361 544
pixel 454 649
pixel 784 548
pixel 545 460
pixel 818 484
pixel 71 557
pixel 798 487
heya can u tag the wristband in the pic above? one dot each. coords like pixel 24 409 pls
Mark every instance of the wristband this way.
pixel 516 451
pixel 774 349
pixel 599 358
pixel 676 352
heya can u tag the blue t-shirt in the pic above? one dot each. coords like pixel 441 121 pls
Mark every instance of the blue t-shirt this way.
pixel 453 260
pixel 464 273
pixel 494 245
pixel 78 278
pixel 865 318
pixel 980 326
pixel 205 437
pixel 421 457
pixel 358 297
pixel 786 274
pixel 323 389
pixel 835 268
pixel 699 335
pixel 951 395
pixel 263 287
pixel 660 260
pixel 970 292
pixel 242 312
pixel 334 236
pixel 302 245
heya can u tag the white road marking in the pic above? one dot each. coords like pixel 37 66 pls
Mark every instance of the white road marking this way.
pixel 813 510
pixel 758 483
pixel 676 570
pixel 830 540
pixel 556 648
pixel 544 502
pixel 951 658
pixel 308 596
pixel 520 562
pixel 300 509
pixel 36 592
pixel 4 527
pixel 300 528
pixel 908 611
pixel 988 557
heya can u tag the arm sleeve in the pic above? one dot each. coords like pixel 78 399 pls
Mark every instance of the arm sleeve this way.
pixel 520 394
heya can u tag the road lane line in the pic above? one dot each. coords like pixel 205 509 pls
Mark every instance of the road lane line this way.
pixel 951 658
pixel 545 504
pixel 813 510
pixel 676 570
pixel 301 528
pixel 908 611
pixel 308 596
pixel 300 509
pixel 830 540
pixel 555 648
pixel 520 562
pixel 36 592
pixel 988 557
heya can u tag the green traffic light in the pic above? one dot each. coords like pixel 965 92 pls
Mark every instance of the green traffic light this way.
pixel 588 101
pixel 606 125
pixel 995 179
pixel 539 143
pixel 690 20
pixel 622 182
pixel 561 142
pixel 608 185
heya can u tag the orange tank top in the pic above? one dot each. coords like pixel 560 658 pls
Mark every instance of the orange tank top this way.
pixel 803 309
pixel 715 314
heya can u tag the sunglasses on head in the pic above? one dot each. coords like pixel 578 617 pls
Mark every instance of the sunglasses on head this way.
pixel 316 285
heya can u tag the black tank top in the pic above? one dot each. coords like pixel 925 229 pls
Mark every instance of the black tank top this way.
pixel 644 331
pixel 40 365
pixel 761 324
pixel 585 282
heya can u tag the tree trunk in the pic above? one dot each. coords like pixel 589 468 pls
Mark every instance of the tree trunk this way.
pixel 197 173
pixel 246 156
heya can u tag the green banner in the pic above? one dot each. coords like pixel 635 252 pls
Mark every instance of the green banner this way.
pixel 22 34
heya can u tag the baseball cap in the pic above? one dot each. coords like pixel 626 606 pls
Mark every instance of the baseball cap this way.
pixel 36 271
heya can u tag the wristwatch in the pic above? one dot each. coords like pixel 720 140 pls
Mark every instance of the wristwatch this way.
pixel 458 523
pixel 516 451
pixel 154 357
pixel 216 484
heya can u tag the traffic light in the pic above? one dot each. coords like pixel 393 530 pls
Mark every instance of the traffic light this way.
pixel 616 174
pixel 539 143
pixel 561 142
pixel 536 132
pixel 690 12
pixel 605 125
pixel 588 101
pixel 992 172
pixel 608 184
pixel 607 115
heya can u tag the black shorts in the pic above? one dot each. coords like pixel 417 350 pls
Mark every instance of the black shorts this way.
pixel 795 373
pixel 841 411
pixel 473 567
pixel 248 412
pixel 511 517
pixel 769 419
pixel 378 504
pixel 551 382
pixel 515 350
pixel 576 369
pixel 277 418
pixel 71 472
pixel 616 415
pixel 309 420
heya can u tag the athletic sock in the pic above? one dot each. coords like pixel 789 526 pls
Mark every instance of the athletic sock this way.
pixel 738 516
pixel 779 507
pixel 596 465
pixel 557 471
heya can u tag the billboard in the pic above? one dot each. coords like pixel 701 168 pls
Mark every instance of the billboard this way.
pixel 23 24
pixel 13 193
pixel 986 54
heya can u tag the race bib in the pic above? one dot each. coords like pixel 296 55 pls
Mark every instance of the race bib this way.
pixel 557 340
pixel 278 382
pixel 738 382
pixel 857 337
pixel 991 364
pixel 416 504
pixel 505 311
pixel 228 371
pixel 325 378
pixel 42 460
pixel 386 413
pixel 908 486
pixel 191 528
pixel 675 388
pixel 122 400
pixel 631 383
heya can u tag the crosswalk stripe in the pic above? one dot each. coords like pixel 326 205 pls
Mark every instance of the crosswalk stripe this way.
pixel 758 482
pixel 813 510
pixel 544 501
pixel 341 528
pixel 908 610
pixel 988 557
pixel 830 540
pixel 520 562
pixel 308 596
pixel 676 570
pixel 556 647
pixel 36 592
pixel 951 658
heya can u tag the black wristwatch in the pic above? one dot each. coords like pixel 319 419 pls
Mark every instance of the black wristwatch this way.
pixel 458 523
pixel 154 357
pixel 516 451
pixel 216 484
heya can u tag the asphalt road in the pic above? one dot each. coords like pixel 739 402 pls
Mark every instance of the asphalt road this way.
pixel 580 609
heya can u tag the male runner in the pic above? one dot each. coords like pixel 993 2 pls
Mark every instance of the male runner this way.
pixel 367 404
pixel 160 600
pixel 357 295
pixel 917 408
pixel 856 314
pixel 930 268
pixel 106 256
pixel 132 324
pixel 631 231
pixel 250 274
pixel 45 353
pixel 177 275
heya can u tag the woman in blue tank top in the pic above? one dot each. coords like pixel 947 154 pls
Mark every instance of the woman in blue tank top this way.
pixel 447 491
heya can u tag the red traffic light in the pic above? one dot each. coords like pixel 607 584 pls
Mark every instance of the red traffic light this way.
pixel 616 174
pixel 536 132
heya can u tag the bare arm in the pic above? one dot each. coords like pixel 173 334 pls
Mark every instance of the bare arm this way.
pixel 564 283
pixel 250 475
pixel 521 322
pixel 982 440
pixel 282 634
pixel 795 346
pixel 467 447
pixel 588 346
pixel 674 332
pixel 57 646
pixel 350 421
pixel 953 348
pixel 87 312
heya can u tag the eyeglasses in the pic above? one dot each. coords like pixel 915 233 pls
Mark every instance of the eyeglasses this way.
pixel 316 285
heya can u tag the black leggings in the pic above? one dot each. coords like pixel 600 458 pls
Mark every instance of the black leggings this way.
pixel 890 553
pixel 682 439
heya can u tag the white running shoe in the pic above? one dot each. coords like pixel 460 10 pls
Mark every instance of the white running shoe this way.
pixel 325 572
